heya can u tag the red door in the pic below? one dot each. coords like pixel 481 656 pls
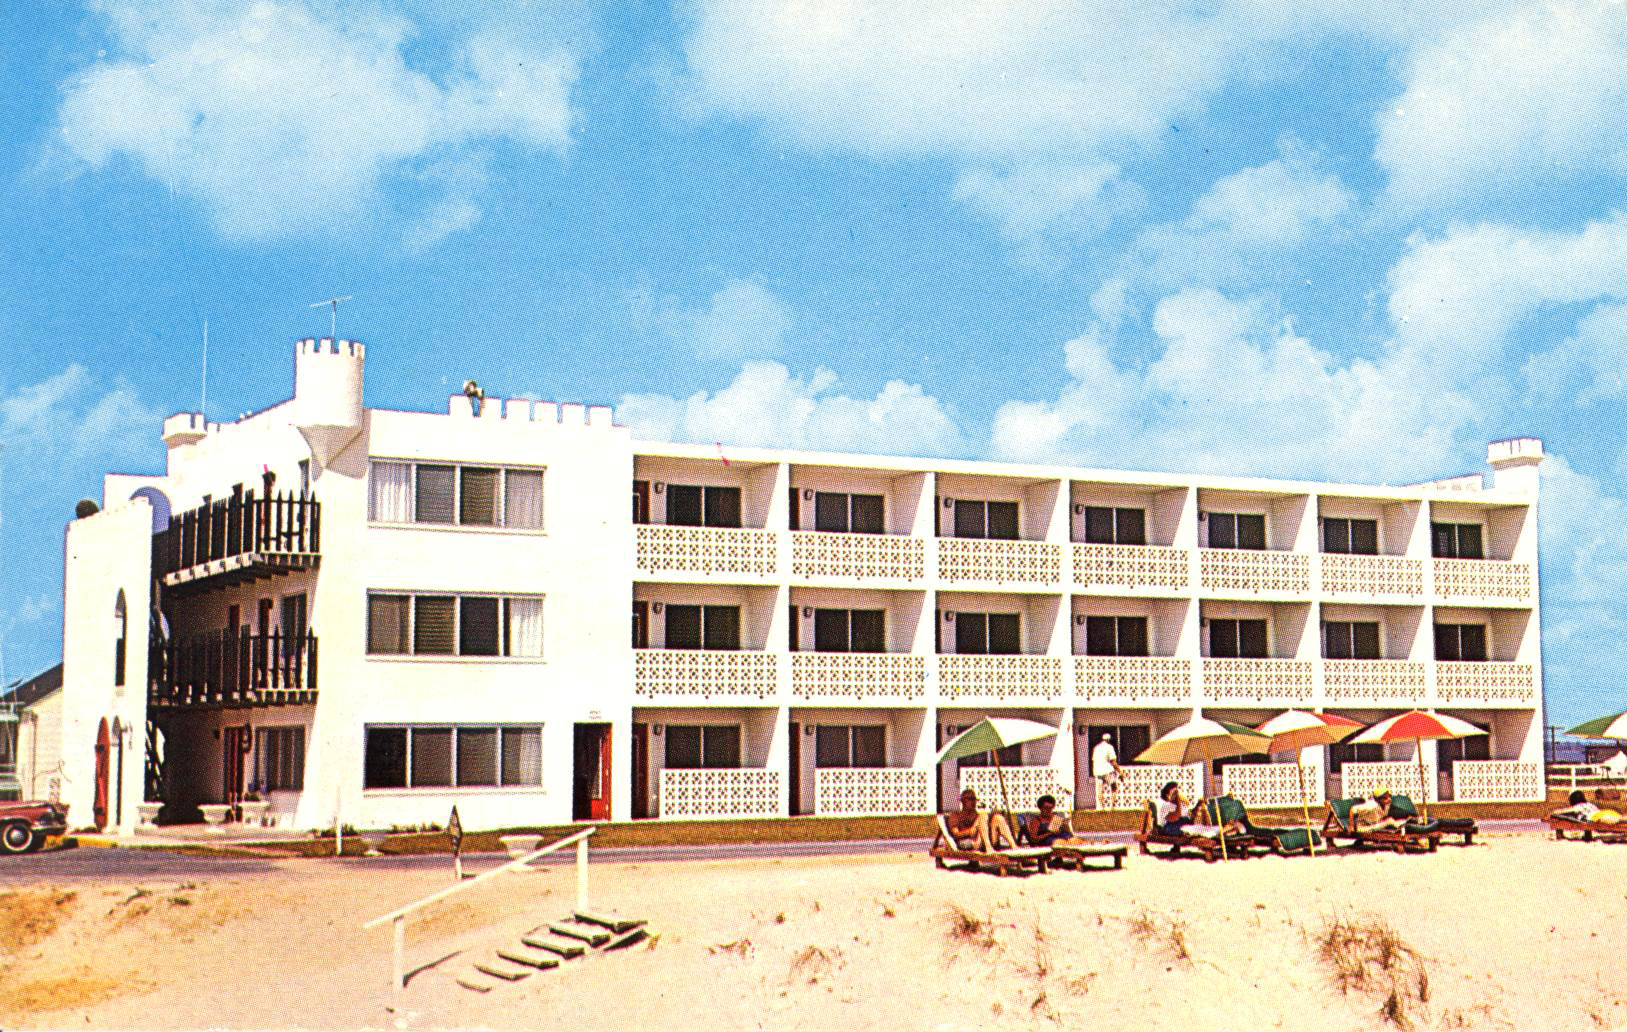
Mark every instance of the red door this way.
pixel 592 775
pixel 600 808
pixel 104 748
pixel 234 746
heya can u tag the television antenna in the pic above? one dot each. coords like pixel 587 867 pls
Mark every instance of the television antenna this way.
pixel 333 330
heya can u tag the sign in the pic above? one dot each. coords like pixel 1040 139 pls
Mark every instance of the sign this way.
pixel 454 831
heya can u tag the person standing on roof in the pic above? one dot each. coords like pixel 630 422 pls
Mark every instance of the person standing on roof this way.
pixel 1104 767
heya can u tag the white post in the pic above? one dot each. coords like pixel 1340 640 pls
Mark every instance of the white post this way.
pixel 400 924
pixel 582 874
pixel 457 866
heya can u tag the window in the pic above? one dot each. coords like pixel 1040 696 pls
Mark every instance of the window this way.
pixel 1456 541
pixel 1115 636
pixel 1356 537
pixel 1129 740
pixel 1105 525
pixel 1450 750
pixel 850 630
pixel 1237 639
pixel 451 756
pixel 1341 753
pixel 702 627
pixel 976 519
pixel 694 746
pixel 1349 640
pixel 1465 642
pixel 689 505
pixel 844 745
pixel 1236 530
pixel 641 501
pixel 987 634
pixel 454 495
pixel 641 625
pixel 120 632
pixel 454 625
pixel 279 758
pixel 848 513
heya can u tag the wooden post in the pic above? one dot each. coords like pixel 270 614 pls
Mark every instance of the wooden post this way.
pixel 400 928
pixel 582 874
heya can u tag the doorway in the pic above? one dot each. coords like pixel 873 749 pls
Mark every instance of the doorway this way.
pixel 104 749
pixel 234 748
pixel 641 771
pixel 590 795
pixel 795 780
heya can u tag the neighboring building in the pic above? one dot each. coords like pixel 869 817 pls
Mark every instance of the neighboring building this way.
pixel 806 628
pixel 31 737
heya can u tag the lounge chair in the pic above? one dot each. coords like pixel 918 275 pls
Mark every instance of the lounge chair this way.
pixel 1001 861
pixel 1290 841
pixel 1208 846
pixel 1587 829
pixel 1073 853
pixel 1401 806
pixel 1339 825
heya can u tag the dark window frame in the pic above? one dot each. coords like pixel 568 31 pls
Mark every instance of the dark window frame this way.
pixel 1233 638
pixel 408 732
pixel 1117 636
pixel 1124 525
pixel 1349 535
pixel 1237 531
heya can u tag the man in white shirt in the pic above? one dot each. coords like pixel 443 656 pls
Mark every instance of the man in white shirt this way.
pixel 1104 767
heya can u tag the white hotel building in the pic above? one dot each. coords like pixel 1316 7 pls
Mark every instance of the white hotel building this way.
pixel 428 609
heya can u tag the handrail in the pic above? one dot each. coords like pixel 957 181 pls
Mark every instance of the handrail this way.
pixel 472 882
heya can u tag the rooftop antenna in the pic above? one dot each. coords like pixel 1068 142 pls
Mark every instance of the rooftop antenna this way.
pixel 203 393
pixel 333 331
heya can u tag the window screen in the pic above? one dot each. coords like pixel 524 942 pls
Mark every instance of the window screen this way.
pixel 722 506
pixel 387 623
pixel 477 496
pixel 432 621
pixel 385 764
pixel 477 756
pixel 433 494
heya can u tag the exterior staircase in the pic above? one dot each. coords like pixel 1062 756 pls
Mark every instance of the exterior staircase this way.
pixel 549 946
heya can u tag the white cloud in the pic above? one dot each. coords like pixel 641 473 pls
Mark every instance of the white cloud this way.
pixel 766 405
pixel 1595 356
pixel 742 320
pixel 1511 100
pixel 63 417
pixel 279 119
pixel 1032 202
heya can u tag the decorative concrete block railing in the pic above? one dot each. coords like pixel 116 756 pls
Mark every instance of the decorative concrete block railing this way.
pixel 1497 781
pixel 709 551
pixel 1485 684
pixel 1391 576
pixel 1483 579
pixel 857 556
pixel 1250 572
pixel 1132 566
pixel 1274 784
pixel 1002 678
pixel 999 562
pixel 858 676
pixel 1271 681
pixel 1373 682
pixel 1132 679
pixel 687 675
pixel 871 791
pixel 1399 776
pixel 1023 786
pixel 1141 782
pixel 743 792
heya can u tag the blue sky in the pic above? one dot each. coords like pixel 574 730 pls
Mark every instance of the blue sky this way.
pixel 1353 242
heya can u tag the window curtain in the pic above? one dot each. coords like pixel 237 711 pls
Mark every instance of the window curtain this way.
pixel 522 756
pixel 524 626
pixel 522 499
pixel 390 492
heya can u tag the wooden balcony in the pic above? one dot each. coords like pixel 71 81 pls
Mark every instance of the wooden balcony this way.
pixel 225 671
pixel 238 538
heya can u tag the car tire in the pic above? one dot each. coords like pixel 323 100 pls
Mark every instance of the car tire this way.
pixel 17 837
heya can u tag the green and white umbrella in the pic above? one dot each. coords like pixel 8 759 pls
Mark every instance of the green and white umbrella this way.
pixel 990 735
pixel 1204 739
pixel 1613 726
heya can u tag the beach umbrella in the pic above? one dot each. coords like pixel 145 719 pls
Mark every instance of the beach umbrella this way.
pixel 990 735
pixel 1417 726
pixel 1613 726
pixel 1297 730
pixel 1204 739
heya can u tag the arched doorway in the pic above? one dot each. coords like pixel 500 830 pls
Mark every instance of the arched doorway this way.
pixel 104 750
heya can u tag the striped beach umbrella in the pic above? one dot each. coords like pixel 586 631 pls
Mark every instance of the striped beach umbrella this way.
pixel 990 735
pixel 1613 726
pixel 1418 726
pixel 1202 738
pixel 1297 730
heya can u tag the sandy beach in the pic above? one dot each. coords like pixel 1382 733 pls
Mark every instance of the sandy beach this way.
pixel 1520 932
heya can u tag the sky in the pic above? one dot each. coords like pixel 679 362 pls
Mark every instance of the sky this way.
pixel 1344 241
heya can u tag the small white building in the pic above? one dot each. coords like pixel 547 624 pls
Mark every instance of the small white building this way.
pixel 516 608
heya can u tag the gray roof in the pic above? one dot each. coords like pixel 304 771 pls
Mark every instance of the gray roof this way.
pixel 35 688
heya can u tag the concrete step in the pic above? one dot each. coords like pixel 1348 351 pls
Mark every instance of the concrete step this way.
pixel 540 961
pixel 614 922
pixel 474 986
pixel 503 971
pixel 628 938
pixel 593 935
pixel 559 944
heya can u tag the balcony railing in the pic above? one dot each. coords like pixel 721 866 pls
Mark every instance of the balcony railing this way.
pixel 1497 781
pixel 1391 576
pixel 1483 579
pixel 1372 682
pixel 1000 678
pixel 1273 681
pixel 1250 572
pixel 689 675
pixel 711 551
pixel 1161 680
pixel 280 528
pixel 713 792
pixel 871 791
pixel 857 556
pixel 224 669
pixel 858 676
pixel 1132 566
pixel 1273 784
pixel 1485 684
pixel 998 561
pixel 1023 785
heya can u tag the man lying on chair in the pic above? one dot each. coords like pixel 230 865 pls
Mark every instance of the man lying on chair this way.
pixel 1374 814
pixel 972 829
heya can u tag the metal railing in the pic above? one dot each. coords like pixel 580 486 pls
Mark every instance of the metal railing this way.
pixel 223 668
pixel 239 525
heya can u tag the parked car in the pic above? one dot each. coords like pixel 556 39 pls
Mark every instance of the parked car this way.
pixel 26 826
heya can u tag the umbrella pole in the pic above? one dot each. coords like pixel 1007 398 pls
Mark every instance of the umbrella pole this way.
pixel 1005 797
pixel 1305 801
pixel 1423 787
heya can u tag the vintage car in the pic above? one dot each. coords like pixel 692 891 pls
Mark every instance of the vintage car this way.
pixel 26 826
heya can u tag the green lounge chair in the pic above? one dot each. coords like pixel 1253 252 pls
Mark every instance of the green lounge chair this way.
pixel 1295 841
pixel 1339 825
pixel 1000 861
pixel 1209 847
pixel 1402 806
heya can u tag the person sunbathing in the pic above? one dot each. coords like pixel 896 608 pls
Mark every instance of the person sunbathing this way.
pixel 1582 810
pixel 974 830
pixel 1171 816
pixel 1374 814
pixel 1047 827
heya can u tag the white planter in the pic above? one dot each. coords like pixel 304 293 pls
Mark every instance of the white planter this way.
pixel 147 813
pixel 254 812
pixel 373 840
pixel 214 815
pixel 520 845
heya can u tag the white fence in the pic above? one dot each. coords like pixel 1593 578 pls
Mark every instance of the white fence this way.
pixel 871 791
pixel 1023 786
pixel 1497 781
pixel 1273 784
pixel 1141 782
pixel 743 792
pixel 1399 776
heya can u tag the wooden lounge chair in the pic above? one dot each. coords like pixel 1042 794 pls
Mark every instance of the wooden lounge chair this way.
pixel 1073 853
pixel 1001 861
pixel 1208 847
pixel 1588 830
pixel 1402 806
pixel 1287 841
pixel 1339 825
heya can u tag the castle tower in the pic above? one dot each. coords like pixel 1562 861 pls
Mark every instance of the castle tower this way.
pixel 328 395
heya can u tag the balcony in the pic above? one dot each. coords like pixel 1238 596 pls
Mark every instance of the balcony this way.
pixel 238 538
pixel 1383 576
pixel 1142 567
pixel 706 551
pixel 871 791
pixel 1485 684
pixel 1154 680
pixel 817 554
pixel 1486 581
pixel 1242 572
pixel 712 792
pixel 1373 682
pixel 858 676
pixel 688 675
pixel 1275 682
pixel 986 561
pixel 1000 678
pixel 222 670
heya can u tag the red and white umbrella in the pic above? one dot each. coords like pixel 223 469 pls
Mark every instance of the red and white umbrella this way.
pixel 1297 730
pixel 1417 726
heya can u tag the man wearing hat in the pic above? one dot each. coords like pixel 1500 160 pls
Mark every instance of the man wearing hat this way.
pixel 1104 767
pixel 1374 814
